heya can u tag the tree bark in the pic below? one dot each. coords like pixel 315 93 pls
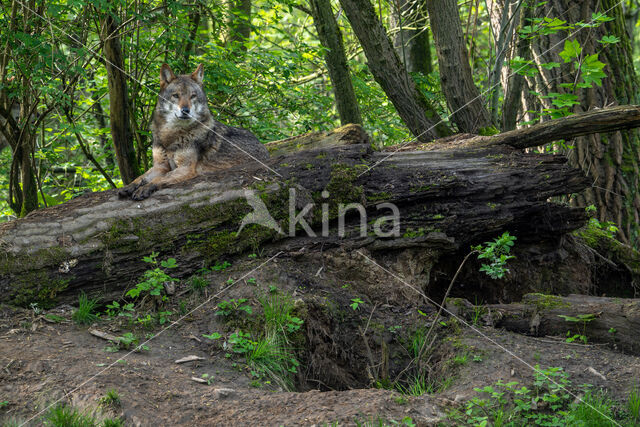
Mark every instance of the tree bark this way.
pixel 411 40
pixel 118 101
pixel 610 160
pixel 413 108
pixel 515 82
pixel 467 106
pixel 330 36
pixel 449 195
pixel 447 199
pixel 194 21
pixel 612 321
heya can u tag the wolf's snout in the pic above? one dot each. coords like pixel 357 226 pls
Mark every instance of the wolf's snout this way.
pixel 185 110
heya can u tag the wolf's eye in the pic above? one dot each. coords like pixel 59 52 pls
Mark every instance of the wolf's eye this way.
pixel 193 96
pixel 175 95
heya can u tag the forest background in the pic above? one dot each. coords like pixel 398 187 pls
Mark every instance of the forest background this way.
pixel 79 81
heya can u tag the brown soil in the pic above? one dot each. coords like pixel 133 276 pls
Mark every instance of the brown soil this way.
pixel 42 363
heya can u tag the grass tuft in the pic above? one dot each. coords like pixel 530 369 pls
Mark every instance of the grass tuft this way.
pixel 66 416
pixel 84 314
pixel 111 399
pixel 633 404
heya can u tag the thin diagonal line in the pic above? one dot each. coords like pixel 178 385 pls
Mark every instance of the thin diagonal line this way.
pixel 483 335
pixel 148 87
pixel 530 62
pixel 139 347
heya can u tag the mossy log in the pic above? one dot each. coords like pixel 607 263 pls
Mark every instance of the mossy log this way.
pixel 613 321
pixel 447 198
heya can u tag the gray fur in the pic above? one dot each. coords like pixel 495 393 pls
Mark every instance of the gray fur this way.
pixel 187 140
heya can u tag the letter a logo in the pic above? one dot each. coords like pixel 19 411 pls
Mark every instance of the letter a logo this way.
pixel 260 214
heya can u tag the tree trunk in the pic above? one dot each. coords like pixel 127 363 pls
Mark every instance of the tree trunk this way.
pixel 118 101
pixel 412 43
pixel 413 108
pixel 449 196
pixel 610 160
pixel 515 82
pixel 194 21
pixel 467 107
pixel 612 321
pixel 330 36
pixel 505 18
pixel 239 22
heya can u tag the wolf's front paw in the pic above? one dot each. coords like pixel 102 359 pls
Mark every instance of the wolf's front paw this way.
pixel 144 192
pixel 127 191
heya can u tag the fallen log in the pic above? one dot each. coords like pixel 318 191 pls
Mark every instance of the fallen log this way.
pixel 444 199
pixel 612 321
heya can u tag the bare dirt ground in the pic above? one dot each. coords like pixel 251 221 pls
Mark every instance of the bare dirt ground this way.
pixel 47 362
pixel 43 362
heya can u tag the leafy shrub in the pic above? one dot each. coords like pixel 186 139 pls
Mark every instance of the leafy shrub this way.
pixel 497 252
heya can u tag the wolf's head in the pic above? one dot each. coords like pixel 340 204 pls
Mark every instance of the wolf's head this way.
pixel 181 100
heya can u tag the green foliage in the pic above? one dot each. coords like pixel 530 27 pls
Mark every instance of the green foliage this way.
pixel 588 69
pixel 633 404
pixel 128 341
pixel 355 303
pixel 513 404
pixel 154 280
pixel 111 399
pixel 497 253
pixel 596 409
pixel 268 349
pixel 548 403
pixel 84 314
pixel 116 309
pixel 221 266
pixel 233 307
pixel 582 319
pixel 66 416
pixel 278 314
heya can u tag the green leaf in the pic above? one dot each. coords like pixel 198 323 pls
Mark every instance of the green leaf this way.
pixel 591 70
pixel 550 65
pixel 571 51
pixel 609 40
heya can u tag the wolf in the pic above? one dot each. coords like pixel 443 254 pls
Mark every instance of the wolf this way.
pixel 187 140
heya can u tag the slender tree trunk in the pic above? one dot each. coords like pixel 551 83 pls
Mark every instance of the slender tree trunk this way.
pixel 194 20
pixel 413 108
pixel 610 160
pixel 239 21
pixel 463 97
pixel 118 101
pixel 411 37
pixel 516 81
pixel 508 13
pixel 331 38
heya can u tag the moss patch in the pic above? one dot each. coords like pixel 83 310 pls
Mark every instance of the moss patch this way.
pixel 544 302
pixel 37 287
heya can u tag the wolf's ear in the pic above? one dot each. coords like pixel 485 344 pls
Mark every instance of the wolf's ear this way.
pixel 198 74
pixel 166 76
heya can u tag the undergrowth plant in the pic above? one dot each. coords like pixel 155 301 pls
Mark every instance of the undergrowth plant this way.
pixel 111 399
pixel 84 314
pixel 633 404
pixel 547 403
pixel 152 284
pixel 154 279
pixel 497 253
pixel 64 415
pixel 582 320
pixel 232 308
pixel 268 349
